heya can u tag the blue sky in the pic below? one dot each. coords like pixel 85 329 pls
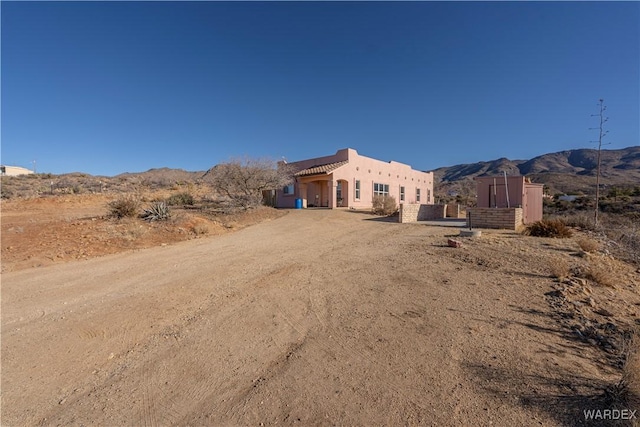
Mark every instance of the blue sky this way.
pixel 112 87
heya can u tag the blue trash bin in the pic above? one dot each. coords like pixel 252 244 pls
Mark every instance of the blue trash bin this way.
pixel 298 203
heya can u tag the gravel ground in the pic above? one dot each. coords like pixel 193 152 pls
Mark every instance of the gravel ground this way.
pixel 318 317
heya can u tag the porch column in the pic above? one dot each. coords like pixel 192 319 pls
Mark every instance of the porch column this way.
pixel 331 188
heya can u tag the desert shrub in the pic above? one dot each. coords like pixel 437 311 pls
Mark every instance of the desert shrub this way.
pixel 180 199
pixel 624 232
pixel 384 205
pixel 124 207
pixel 626 392
pixel 548 228
pixel 600 273
pixel 200 229
pixel 583 220
pixel 588 245
pixel 242 181
pixel 559 268
pixel 158 211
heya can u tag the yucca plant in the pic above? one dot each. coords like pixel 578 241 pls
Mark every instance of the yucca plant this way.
pixel 158 211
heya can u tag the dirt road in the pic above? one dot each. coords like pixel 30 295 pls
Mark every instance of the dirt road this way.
pixel 319 318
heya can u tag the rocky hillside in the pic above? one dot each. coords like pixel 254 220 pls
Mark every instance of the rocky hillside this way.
pixel 565 171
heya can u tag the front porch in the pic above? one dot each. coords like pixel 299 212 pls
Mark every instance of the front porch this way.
pixel 323 192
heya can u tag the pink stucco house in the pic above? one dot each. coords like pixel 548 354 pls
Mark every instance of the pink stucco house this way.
pixel 348 179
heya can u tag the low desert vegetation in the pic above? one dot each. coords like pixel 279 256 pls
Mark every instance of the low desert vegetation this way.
pixel 601 273
pixel 200 229
pixel 619 233
pixel 588 245
pixel 559 268
pixel 158 211
pixel 625 394
pixel 549 228
pixel 181 199
pixel 243 181
pixel 124 207
pixel 384 205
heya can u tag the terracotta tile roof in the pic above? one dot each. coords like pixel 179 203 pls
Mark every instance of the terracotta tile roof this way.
pixel 321 169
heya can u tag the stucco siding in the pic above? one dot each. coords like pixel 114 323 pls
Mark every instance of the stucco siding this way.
pixel 364 170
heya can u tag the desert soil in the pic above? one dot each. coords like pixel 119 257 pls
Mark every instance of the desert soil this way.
pixel 310 317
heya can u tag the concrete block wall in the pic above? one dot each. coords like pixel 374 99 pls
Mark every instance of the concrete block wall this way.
pixel 408 212
pixel 502 218
pixel 412 212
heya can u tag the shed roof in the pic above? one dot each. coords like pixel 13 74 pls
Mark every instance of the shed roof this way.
pixel 321 169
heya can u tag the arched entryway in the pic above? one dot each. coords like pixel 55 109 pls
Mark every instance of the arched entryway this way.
pixel 342 193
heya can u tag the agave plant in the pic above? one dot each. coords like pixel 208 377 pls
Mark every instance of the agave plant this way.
pixel 158 211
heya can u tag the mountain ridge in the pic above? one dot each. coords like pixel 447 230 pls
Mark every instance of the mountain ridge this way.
pixel 562 171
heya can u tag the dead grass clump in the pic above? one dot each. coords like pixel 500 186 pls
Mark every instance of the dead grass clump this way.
pixel 124 207
pixel 559 268
pixel 601 273
pixel 580 220
pixel 625 394
pixel 548 228
pixel 588 245
pixel 132 231
pixel 200 229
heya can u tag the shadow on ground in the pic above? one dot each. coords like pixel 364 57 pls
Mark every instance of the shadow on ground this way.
pixel 576 393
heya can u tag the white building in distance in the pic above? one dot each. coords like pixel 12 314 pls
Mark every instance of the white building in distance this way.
pixel 14 170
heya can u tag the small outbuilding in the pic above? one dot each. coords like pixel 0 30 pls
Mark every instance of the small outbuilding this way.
pixel 508 192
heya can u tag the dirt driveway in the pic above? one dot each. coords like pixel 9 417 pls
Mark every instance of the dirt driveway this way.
pixel 318 317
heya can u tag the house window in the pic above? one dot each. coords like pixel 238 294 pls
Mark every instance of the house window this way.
pixel 357 189
pixel 402 194
pixel 380 189
pixel 417 194
pixel 288 189
pixel 428 196
pixel 339 190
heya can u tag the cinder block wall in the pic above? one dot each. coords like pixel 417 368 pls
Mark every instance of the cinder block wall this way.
pixel 408 212
pixel 412 212
pixel 503 218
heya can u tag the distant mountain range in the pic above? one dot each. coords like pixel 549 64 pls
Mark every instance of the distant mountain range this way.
pixel 565 171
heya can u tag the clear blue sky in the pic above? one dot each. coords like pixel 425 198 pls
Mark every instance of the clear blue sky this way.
pixel 112 87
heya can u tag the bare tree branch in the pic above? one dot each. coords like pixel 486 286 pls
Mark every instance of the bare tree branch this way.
pixel 244 180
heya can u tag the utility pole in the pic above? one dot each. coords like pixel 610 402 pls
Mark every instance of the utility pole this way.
pixel 602 134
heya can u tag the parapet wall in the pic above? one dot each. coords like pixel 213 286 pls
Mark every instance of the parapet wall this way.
pixel 412 212
pixel 503 218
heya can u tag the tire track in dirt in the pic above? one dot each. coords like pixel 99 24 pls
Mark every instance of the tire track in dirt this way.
pixel 320 310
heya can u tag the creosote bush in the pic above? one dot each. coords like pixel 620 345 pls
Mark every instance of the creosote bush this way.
pixel 180 199
pixel 384 205
pixel 124 207
pixel 548 228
